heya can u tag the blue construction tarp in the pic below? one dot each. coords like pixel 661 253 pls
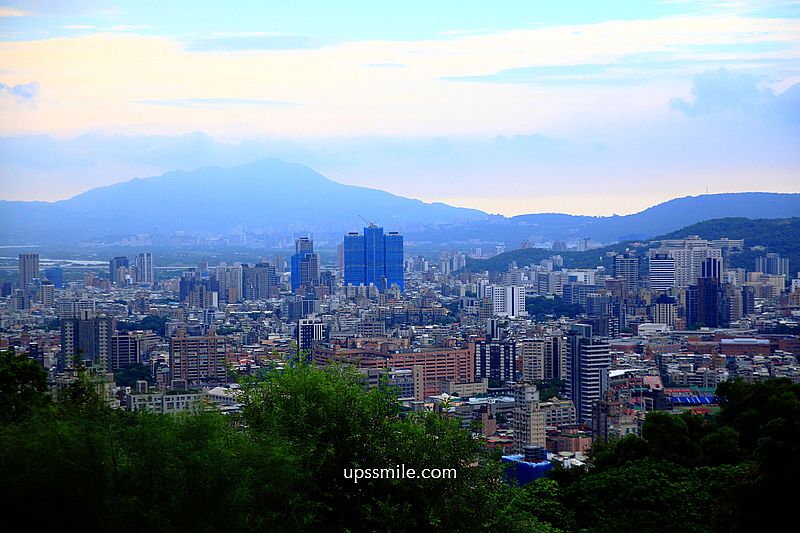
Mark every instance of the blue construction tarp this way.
pixel 523 471
pixel 693 400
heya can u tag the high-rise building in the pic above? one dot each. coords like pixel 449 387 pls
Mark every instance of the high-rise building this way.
pixel 259 282
pixel 229 282
pixel 128 347
pixel 145 268
pixel 555 357
pixel 543 358
pixel 708 293
pixel 626 266
pixel 113 267
pixel 47 294
pixel 495 360
pixel 532 351
pixel 56 275
pixel 374 258
pixel 68 307
pixel 86 337
pixel 308 331
pixel 662 272
pixel 304 264
pixel 773 264
pixel 529 418
pixel 28 269
pixel 664 310
pixel 197 360
pixel 507 300
pixel 587 376
pixel 689 255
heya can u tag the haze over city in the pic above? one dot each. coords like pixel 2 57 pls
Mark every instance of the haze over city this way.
pixel 447 265
pixel 580 107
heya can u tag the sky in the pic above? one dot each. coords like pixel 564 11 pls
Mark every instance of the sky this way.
pixel 593 108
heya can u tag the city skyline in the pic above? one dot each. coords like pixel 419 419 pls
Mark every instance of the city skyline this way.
pixel 580 108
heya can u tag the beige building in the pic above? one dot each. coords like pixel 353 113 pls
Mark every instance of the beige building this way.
pixel 529 419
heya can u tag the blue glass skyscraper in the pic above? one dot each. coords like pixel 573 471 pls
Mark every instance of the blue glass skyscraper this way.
pixel 373 258
pixel 393 252
pixel 304 264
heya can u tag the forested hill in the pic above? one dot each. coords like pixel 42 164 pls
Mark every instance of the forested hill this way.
pixel 780 235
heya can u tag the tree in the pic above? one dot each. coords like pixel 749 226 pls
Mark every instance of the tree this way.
pixel 23 383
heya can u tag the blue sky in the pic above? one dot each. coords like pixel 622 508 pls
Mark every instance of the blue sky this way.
pixel 509 107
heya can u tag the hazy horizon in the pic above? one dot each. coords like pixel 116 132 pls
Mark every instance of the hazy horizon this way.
pixel 579 108
pixel 453 204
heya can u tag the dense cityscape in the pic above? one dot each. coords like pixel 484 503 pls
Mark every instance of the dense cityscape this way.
pixel 400 266
pixel 540 363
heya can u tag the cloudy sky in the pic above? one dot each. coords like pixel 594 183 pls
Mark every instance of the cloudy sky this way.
pixel 510 107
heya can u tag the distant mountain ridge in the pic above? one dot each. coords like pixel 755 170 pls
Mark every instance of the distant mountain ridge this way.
pixel 270 196
pixel 657 220
pixel 780 235
pixel 277 198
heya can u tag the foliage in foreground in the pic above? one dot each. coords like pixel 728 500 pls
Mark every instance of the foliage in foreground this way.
pixel 277 467
pixel 280 465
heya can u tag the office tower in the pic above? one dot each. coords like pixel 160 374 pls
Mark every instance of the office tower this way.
pixel 47 294
pixel 113 268
pixel 748 300
pixel 662 272
pixel 598 305
pixel 495 360
pixel 86 337
pixel 375 255
pixel 56 276
pixel 690 306
pixel 555 357
pixel 708 293
pixel 587 376
pixel 393 246
pixel 529 418
pixel 20 301
pixel 664 310
pixel 508 301
pixel 773 264
pixel 308 331
pixel 532 351
pixel 259 282
pixel 626 266
pixel 128 347
pixel 197 360
pixel 28 269
pixel 145 268
pixel 125 350
pixel 235 276
pixel 689 255
pixel 304 264
pixel 67 308
pixel 731 304
pixel 374 258
pixel 229 282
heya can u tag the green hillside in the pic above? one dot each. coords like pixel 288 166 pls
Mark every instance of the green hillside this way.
pixel 780 235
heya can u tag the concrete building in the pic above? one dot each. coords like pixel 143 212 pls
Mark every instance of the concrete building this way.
pixel 529 419
pixel 587 378
pixel 197 360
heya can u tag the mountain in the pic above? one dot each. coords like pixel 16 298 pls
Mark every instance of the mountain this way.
pixel 278 198
pixel 269 195
pixel 780 236
pixel 656 220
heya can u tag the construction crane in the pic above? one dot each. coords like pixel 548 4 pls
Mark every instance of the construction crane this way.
pixel 368 223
